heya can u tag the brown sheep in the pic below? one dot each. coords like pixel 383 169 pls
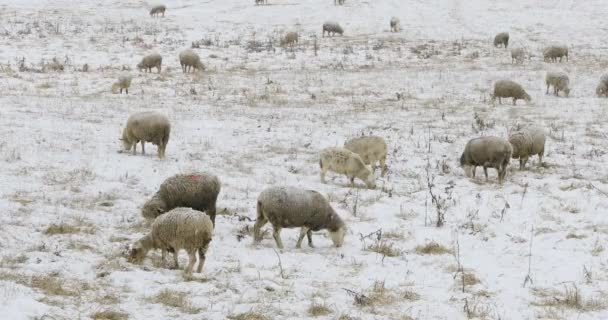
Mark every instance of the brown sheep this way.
pixel 502 39
pixel 488 152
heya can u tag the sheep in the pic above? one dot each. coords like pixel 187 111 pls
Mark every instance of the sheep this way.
pixel 395 24
pixel 189 60
pixel 260 2
pixel 150 61
pixel 526 143
pixel 289 207
pixel 490 152
pixel 370 149
pixel 147 126
pixel 180 228
pixel 291 38
pixel 559 81
pixel 124 82
pixel 518 55
pixel 339 2
pixel 551 53
pixel 502 39
pixel 344 161
pixel 157 10
pixel 194 190
pixel 602 87
pixel 509 89
pixel 332 28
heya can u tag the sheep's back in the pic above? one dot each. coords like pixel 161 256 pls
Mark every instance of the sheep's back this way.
pixel 292 207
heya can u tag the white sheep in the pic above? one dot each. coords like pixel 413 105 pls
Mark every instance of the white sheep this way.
pixel 158 10
pixel 332 28
pixel 343 161
pixel 395 24
pixel 146 126
pixel 198 191
pixel 150 61
pixel 289 207
pixel 180 228
pixel 559 81
pixel 189 60
pixel 518 55
pixel 528 142
pixel 509 89
pixel 488 152
pixel 124 82
pixel 371 149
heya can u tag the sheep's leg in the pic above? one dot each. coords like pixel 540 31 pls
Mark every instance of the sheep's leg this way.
pixel 309 235
pixel 352 181
pixel 547 89
pixel 323 171
pixel 383 166
pixel 201 258
pixel 473 170
pixel 276 234
pixel 259 223
pixel 135 148
pixel 499 100
pixel 175 262
pixel 514 101
pixel 540 158
pixel 525 160
pixel 163 255
pixel 485 171
pixel 191 261
pixel 303 232
pixel 143 148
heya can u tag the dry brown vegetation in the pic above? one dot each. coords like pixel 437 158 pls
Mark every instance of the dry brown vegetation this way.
pixel 432 248
pixel 175 299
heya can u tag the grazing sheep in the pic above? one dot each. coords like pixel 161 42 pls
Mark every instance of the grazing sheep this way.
pixel 189 60
pixel 490 152
pixel 526 143
pixel 339 2
pixel 332 28
pixel 346 162
pixel 158 10
pixel 289 207
pixel 147 126
pixel 395 24
pixel 370 149
pixel 602 87
pixel 124 82
pixel 291 38
pixel 518 55
pixel 502 39
pixel 559 81
pixel 180 228
pixel 551 53
pixel 509 89
pixel 195 190
pixel 150 61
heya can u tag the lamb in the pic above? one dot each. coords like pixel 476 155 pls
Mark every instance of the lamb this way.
pixel 289 207
pixel 189 60
pixel 602 87
pixel 157 10
pixel 551 53
pixel 490 152
pixel 332 28
pixel 291 38
pixel 502 39
pixel 150 61
pixel 395 24
pixel 509 89
pixel 370 149
pixel 559 81
pixel 124 82
pixel 346 162
pixel 518 55
pixel 180 228
pixel 526 143
pixel 194 190
pixel 147 126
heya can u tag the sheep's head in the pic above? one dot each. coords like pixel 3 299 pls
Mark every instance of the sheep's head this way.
pixel 153 208
pixel 139 250
pixel 140 66
pixel 567 92
pixel 515 144
pixel 337 236
pixel 527 97
pixel 601 90
pixel 339 30
pixel 370 180
pixel 126 142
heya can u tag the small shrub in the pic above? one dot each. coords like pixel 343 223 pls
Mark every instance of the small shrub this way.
pixel 316 310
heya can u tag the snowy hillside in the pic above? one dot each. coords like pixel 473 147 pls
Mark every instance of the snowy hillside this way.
pixel 258 116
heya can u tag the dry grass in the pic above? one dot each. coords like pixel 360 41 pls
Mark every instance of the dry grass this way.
pixel 570 298
pixel 50 285
pixel 380 295
pixel 317 310
pixel 248 316
pixel 384 248
pixel 109 315
pixel 432 248
pixel 175 299
pixel 64 228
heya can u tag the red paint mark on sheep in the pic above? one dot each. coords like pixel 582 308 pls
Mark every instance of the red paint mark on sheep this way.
pixel 194 178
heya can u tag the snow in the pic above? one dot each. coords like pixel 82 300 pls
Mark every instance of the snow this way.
pixel 258 119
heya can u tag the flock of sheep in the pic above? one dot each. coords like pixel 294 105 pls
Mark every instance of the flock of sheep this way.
pixel 176 208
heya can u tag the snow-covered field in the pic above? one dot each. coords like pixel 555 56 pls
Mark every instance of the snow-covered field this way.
pixel 257 117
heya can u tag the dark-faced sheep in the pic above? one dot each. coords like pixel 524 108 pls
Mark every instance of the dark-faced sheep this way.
pixel 488 152
pixel 551 53
pixel 147 126
pixel 289 207
pixel 518 55
pixel 190 61
pixel 502 39
pixel 195 190
pixel 180 228
pixel 158 10
pixel 343 161
pixel 602 88
pixel 394 24
pixel 559 81
pixel 509 89
pixel 332 28
pixel 150 61
pixel 371 149
pixel 526 143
